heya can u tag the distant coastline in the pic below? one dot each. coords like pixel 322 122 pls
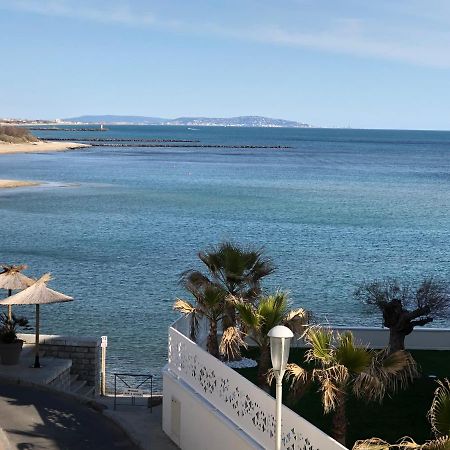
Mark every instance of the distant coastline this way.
pixel 239 121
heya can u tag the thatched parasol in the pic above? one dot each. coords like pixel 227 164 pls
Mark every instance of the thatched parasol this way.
pixel 37 294
pixel 13 280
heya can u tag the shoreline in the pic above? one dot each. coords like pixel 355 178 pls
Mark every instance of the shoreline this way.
pixel 39 147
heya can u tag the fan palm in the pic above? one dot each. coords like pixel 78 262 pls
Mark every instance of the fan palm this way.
pixel 238 270
pixel 257 320
pixel 343 368
pixel 209 302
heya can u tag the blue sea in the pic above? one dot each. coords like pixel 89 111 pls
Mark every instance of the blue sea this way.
pixel 117 226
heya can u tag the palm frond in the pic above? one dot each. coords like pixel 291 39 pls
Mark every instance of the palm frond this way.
pixel 231 343
pixel 405 443
pixel 387 372
pixel 213 301
pixel 237 267
pixel 248 314
pixel 441 443
pixel 355 359
pixel 299 380
pixel 183 306
pixel 372 444
pixel 297 320
pixel 193 280
pixel 272 309
pixel 397 369
pixel 333 381
pixel 408 443
pixel 320 340
pixel 439 414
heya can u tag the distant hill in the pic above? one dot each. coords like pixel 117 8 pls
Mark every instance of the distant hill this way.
pixel 241 121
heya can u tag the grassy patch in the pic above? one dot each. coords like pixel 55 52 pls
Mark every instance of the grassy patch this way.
pixel 404 414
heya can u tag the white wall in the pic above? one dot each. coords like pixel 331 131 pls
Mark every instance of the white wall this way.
pixel 201 427
pixel 204 398
pixel 419 339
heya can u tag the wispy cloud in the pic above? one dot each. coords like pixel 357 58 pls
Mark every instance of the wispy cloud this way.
pixel 413 40
pixel 119 13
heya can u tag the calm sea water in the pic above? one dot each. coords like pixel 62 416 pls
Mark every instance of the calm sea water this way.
pixel 116 226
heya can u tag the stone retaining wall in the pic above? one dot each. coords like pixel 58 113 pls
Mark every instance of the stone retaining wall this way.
pixel 84 353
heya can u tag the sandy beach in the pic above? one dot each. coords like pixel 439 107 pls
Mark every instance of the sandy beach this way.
pixel 38 147
pixel 32 147
pixel 8 184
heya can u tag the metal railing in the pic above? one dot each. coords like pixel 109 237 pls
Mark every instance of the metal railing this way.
pixel 134 389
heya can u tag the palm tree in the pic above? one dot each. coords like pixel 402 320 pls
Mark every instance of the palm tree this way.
pixel 343 368
pixel 209 302
pixel 439 417
pixel 257 320
pixel 238 270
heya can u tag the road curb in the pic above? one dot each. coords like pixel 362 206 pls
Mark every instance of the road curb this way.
pixel 4 441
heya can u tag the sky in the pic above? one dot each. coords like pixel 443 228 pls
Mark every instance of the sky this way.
pixel 358 63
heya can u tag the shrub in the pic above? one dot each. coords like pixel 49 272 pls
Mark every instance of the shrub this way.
pixel 16 135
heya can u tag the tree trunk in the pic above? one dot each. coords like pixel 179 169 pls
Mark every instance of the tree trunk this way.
pixel 339 422
pixel 396 340
pixel 263 366
pixel 212 345
pixel 229 319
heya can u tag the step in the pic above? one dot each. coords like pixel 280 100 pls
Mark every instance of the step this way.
pixel 73 377
pixel 76 386
pixel 87 391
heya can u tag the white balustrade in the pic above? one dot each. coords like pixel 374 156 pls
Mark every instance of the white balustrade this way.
pixel 251 409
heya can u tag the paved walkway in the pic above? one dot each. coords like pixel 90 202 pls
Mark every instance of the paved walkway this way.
pixel 41 420
pixel 143 424
pixel 34 419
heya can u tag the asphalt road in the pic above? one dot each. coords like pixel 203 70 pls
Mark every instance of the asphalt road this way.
pixel 40 420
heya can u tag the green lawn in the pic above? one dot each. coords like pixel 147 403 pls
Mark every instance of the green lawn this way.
pixel 402 415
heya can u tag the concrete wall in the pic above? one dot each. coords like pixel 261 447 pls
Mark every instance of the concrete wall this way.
pixel 419 339
pixel 84 353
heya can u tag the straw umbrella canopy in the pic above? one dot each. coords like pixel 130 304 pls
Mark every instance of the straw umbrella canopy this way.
pixel 38 294
pixel 13 280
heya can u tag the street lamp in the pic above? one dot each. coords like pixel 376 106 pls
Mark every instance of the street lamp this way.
pixel 280 342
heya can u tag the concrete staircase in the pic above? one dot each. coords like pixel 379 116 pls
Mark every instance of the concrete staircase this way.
pixel 80 387
pixel 57 373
